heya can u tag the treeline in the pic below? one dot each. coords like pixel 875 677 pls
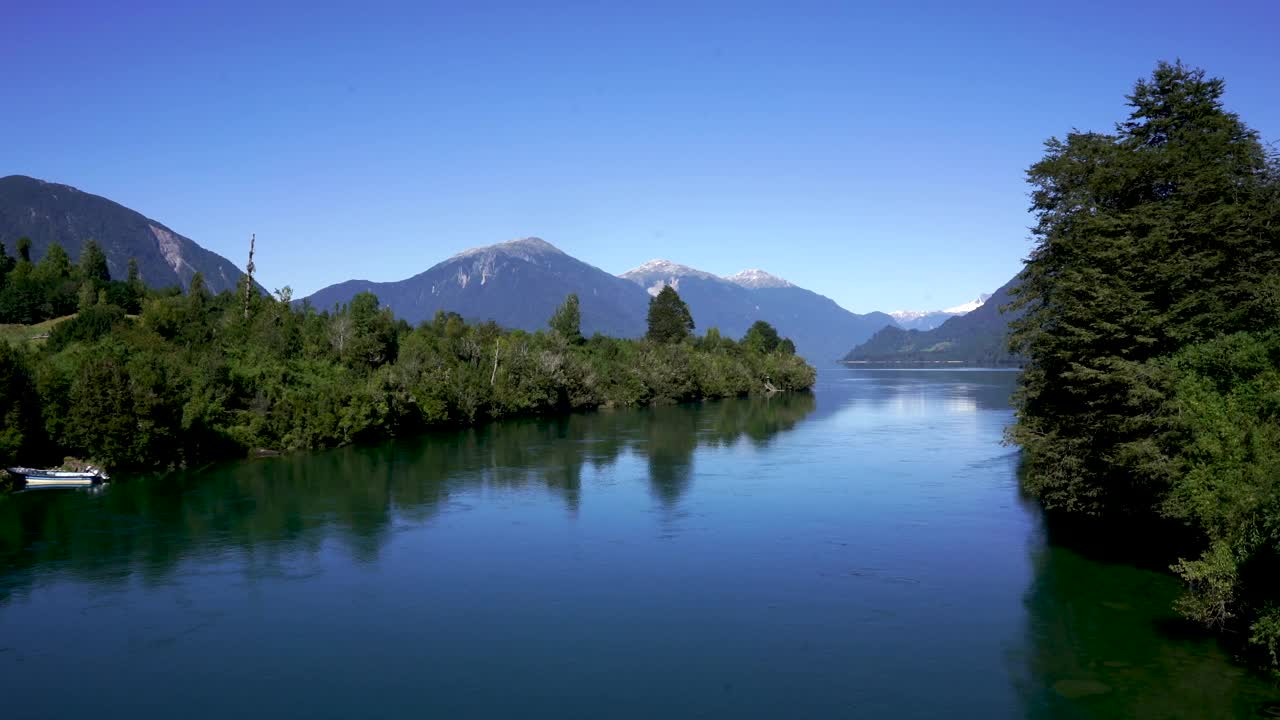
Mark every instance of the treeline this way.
pixel 197 376
pixel 32 292
pixel 1151 395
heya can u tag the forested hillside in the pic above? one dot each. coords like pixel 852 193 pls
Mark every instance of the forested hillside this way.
pixel 980 337
pixel 50 214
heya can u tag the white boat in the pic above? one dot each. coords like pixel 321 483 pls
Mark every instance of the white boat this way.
pixel 37 478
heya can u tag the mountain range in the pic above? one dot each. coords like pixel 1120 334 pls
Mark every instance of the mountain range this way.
pixel 517 284
pixel 979 337
pixel 50 213
pixel 821 329
pixel 520 283
pixel 930 319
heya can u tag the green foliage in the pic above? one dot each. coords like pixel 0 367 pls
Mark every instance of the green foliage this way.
pixel 1152 384
pixel 87 326
pixel 567 320
pixel 19 408
pixel 191 378
pixel 32 293
pixel 93 264
pixel 669 317
pixel 761 337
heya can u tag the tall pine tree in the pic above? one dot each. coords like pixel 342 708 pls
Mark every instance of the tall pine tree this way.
pixel 669 317
pixel 1159 235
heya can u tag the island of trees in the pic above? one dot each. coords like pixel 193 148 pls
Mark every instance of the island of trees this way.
pixel 1150 400
pixel 144 379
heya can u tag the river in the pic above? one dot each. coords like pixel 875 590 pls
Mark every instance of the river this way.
pixel 859 552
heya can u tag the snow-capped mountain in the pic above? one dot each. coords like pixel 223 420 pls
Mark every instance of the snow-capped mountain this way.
pixel 655 274
pixel 816 324
pixel 756 279
pixel 930 319
pixel 517 284
pixel 969 306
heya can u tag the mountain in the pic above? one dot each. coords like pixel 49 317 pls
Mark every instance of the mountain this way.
pixel 930 319
pixel 517 284
pixel 977 337
pixel 757 279
pixel 714 301
pixel 51 213
pixel 821 329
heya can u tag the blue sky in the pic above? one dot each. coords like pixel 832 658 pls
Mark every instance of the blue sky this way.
pixel 871 152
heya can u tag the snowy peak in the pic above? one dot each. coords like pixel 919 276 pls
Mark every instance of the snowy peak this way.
pixel 656 274
pixel 929 319
pixel 969 306
pixel 524 248
pixel 664 268
pixel 756 279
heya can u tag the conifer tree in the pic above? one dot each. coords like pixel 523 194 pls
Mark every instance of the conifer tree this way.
pixel 669 317
pixel 567 320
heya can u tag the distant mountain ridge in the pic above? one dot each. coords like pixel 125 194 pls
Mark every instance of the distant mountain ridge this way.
pixel 979 337
pixel 517 284
pixel 930 319
pixel 52 213
pixel 821 329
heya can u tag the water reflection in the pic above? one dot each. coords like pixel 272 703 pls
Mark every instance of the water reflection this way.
pixel 862 552
pixel 279 505
pixel 1104 642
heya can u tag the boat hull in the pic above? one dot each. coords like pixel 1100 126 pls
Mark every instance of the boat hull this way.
pixel 35 478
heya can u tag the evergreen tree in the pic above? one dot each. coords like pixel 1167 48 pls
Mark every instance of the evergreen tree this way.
pixel 197 287
pixel 137 290
pixel 19 406
pixel 6 265
pixel 669 317
pixel 567 320
pixel 24 249
pixel 1158 236
pixel 55 265
pixel 93 264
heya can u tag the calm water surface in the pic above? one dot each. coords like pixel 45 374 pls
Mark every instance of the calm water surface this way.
pixel 861 552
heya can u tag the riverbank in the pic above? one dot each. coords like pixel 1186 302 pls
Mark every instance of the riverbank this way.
pixel 198 377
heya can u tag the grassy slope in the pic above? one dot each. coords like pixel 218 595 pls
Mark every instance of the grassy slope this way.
pixel 23 333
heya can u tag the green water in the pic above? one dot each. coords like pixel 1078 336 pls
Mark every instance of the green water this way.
pixel 862 552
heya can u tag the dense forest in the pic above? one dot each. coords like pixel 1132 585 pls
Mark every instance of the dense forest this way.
pixel 145 379
pixel 1151 393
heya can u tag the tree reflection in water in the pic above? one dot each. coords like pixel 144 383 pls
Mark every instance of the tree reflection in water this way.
pixel 266 509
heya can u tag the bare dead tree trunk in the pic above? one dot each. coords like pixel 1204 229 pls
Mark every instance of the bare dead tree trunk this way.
pixel 248 271
pixel 494 376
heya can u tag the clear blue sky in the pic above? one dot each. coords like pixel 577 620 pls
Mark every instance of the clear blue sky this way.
pixel 872 153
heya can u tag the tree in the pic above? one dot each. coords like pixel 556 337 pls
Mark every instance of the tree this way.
pixel 55 265
pixel 137 290
pixel 19 406
pixel 567 320
pixel 6 264
pixel 1161 235
pixel 669 317
pixel 761 337
pixel 197 287
pixel 24 249
pixel 93 264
